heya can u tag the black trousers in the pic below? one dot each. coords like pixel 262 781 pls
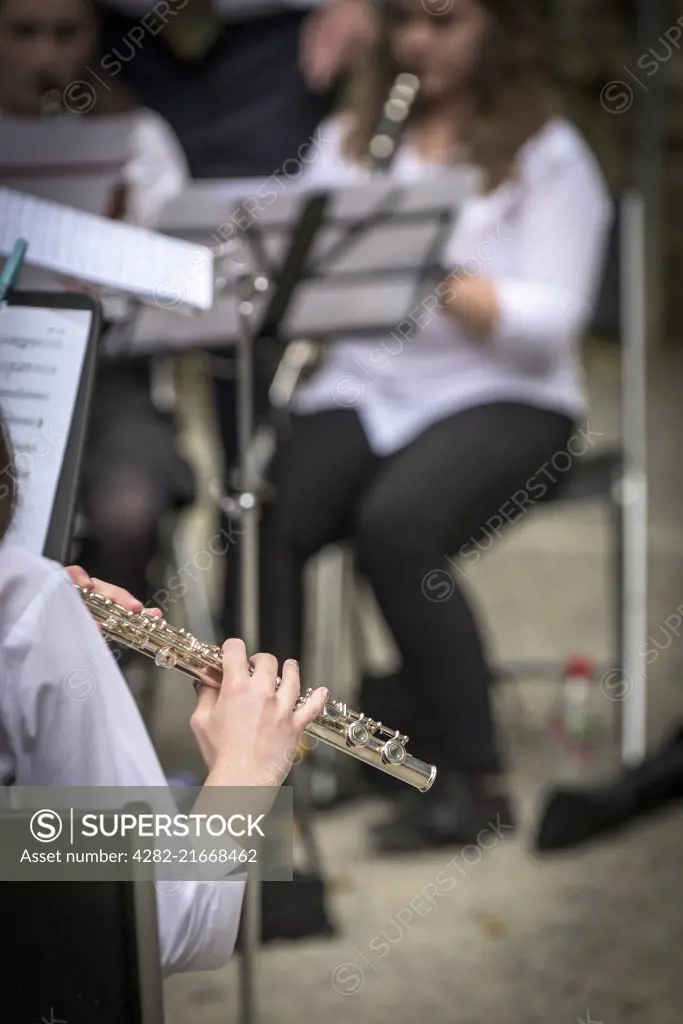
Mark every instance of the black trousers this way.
pixel 418 520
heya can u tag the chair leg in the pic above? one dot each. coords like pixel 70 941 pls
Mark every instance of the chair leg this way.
pixel 326 642
pixel 196 604
pixel 175 557
pixel 327 776
pixel 304 812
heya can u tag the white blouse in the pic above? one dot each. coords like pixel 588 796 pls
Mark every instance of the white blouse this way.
pixel 68 718
pixel 541 238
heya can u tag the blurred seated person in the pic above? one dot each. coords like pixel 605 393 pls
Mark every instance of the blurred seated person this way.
pixel 414 446
pixel 132 468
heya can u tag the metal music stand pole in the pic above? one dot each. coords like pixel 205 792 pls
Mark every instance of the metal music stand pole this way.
pixel 634 497
pixel 248 283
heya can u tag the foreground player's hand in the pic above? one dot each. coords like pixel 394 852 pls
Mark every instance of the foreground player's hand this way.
pixel 248 730
pixel 116 594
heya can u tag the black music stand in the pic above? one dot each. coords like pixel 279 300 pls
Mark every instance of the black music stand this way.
pixel 363 234
pixel 300 270
pixel 335 240
pixel 249 281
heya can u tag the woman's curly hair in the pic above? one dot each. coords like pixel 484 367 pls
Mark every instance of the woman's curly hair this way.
pixel 511 85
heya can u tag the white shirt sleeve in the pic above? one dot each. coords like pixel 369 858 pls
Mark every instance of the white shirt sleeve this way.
pixel 71 720
pixel 559 247
pixel 157 170
pixel 325 165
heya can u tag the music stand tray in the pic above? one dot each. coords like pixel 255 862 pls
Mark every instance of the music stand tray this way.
pixel 354 259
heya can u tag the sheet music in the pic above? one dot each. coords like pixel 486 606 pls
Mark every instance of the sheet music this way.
pixel 41 362
pixel 119 257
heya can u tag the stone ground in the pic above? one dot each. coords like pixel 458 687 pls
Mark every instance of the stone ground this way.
pixel 596 936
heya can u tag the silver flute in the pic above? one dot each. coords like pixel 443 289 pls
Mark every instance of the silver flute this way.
pixel 337 725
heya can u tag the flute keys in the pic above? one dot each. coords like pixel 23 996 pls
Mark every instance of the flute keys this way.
pixel 165 659
pixel 393 752
pixel 358 735
pixel 382 147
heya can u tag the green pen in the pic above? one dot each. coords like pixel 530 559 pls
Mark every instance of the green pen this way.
pixel 12 267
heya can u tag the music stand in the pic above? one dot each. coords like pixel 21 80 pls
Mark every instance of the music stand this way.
pixel 335 241
pixel 378 230
pixel 303 271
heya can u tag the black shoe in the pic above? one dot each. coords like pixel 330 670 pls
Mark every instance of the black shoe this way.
pixel 572 816
pixel 458 815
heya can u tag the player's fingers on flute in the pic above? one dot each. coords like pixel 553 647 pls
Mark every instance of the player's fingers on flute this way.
pixel 118 595
pixel 290 684
pixel 206 701
pixel 265 671
pixel 206 696
pixel 235 663
pixel 210 678
pixel 79 576
pixel 314 706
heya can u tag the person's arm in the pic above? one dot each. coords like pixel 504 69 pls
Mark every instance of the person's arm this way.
pixel 335 34
pixel 73 721
pixel 557 249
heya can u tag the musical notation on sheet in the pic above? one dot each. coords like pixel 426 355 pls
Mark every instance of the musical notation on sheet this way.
pixel 42 353
pixel 122 259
